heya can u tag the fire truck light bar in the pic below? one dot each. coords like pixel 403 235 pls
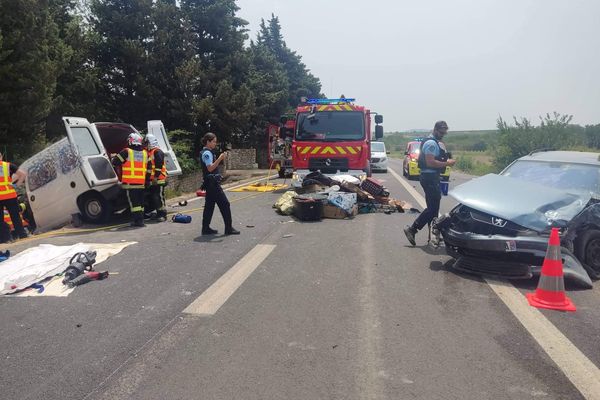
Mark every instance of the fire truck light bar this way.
pixel 329 101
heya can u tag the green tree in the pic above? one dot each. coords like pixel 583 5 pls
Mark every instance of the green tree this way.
pixel 301 81
pixel 31 58
pixel 123 29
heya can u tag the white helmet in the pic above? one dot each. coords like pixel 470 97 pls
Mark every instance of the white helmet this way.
pixel 151 140
pixel 134 139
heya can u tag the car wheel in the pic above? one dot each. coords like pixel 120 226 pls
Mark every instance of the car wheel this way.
pixel 588 251
pixel 94 208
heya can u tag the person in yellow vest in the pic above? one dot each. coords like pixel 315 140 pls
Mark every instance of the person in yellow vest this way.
pixel 158 177
pixel 11 175
pixel 133 161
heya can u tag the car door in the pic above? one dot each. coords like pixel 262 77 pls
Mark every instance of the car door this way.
pixel 95 163
pixel 157 128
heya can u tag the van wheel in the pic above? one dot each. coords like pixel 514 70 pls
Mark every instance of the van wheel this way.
pixel 94 208
pixel 588 251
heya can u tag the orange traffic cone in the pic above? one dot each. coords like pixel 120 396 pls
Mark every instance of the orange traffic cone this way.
pixel 550 292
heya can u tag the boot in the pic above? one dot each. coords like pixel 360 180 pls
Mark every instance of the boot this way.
pixel 410 233
pixel 232 231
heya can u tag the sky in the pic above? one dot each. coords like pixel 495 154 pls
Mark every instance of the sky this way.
pixel 465 61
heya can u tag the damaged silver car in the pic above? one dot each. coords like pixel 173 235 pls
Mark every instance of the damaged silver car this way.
pixel 502 224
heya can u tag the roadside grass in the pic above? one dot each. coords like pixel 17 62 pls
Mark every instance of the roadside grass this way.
pixel 170 193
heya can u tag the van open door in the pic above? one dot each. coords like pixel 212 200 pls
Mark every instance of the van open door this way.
pixel 95 163
pixel 158 130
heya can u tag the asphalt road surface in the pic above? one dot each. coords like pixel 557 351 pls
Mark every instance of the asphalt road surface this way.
pixel 338 309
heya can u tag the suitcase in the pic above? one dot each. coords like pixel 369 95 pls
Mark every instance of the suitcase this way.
pixel 374 187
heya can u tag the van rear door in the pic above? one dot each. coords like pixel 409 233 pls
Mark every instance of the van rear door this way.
pixel 158 130
pixel 95 163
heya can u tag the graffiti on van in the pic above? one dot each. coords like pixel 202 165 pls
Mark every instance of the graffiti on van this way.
pixel 43 169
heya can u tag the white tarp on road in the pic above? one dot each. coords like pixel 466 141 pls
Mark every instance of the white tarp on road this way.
pixel 45 260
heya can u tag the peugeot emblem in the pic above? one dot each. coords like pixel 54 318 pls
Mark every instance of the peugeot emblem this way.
pixel 328 162
pixel 498 222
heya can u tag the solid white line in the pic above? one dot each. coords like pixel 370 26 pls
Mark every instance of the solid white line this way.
pixel 584 375
pixel 411 190
pixel 209 302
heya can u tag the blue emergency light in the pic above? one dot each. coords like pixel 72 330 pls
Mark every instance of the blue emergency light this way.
pixel 329 101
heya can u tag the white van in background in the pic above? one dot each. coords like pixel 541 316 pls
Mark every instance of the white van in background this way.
pixel 75 174
pixel 379 160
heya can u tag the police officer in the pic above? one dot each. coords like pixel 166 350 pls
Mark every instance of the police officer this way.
pixel 433 160
pixel 11 174
pixel 212 185
pixel 158 177
pixel 134 164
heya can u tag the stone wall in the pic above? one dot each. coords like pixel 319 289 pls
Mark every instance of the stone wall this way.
pixel 241 159
pixel 185 183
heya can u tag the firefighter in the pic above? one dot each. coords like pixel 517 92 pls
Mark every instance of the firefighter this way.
pixel 11 175
pixel 212 185
pixel 158 177
pixel 134 164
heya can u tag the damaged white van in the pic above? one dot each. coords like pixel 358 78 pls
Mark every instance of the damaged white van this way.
pixel 75 174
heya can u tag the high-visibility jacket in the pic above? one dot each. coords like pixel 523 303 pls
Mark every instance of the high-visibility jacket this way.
pixel 7 190
pixel 135 167
pixel 162 178
pixel 9 222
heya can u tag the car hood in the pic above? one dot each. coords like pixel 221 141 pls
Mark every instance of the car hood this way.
pixel 527 204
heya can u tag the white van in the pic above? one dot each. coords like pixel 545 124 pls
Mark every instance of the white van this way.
pixel 379 160
pixel 75 174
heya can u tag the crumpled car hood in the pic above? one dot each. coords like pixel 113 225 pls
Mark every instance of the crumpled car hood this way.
pixel 527 204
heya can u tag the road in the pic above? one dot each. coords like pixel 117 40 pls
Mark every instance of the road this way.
pixel 338 309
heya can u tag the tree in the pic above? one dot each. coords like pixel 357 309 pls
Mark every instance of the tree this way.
pixel 123 29
pixel 31 58
pixel 301 81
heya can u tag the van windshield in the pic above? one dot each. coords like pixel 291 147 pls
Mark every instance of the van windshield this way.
pixel 330 126
pixel 378 146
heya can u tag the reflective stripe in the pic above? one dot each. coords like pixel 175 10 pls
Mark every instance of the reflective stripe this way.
pixel 316 150
pixel 553 253
pixel 163 171
pixel 551 283
pixel 340 149
pixel 135 168
pixel 7 220
pixel 7 190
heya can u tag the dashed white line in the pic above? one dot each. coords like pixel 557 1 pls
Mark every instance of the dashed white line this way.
pixel 209 302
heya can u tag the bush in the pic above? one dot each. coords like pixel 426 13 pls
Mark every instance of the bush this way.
pixel 183 144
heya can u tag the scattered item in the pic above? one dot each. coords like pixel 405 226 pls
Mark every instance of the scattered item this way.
pixel 374 187
pixel 345 201
pixel 183 203
pixel 285 204
pixel 200 193
pixel 288 235
pixel 260 187
pixel 550 292
pixel 4 255
pixel 308 208
pixel 78 264
pixel 335 212
pixel 41 264
pixel 182 218
pixel 346 179
pixel 87 277
pixel 38 287
pixel 249 226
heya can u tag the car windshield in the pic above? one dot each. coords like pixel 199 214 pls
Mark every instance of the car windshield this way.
pixel 377 146
pixel 560 175
pixel 330 126
pixel 414 148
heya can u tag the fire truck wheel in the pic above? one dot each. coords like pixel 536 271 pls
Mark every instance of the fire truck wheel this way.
pixel 94 208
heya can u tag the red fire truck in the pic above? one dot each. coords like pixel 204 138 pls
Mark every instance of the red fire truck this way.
pixel 280 145
pixel 332 136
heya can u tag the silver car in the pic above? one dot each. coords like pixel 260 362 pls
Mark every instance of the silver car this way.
pixel 502 224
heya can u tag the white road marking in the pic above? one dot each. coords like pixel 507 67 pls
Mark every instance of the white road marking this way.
pixel 411 190
pixel 209 302
pixel 583 373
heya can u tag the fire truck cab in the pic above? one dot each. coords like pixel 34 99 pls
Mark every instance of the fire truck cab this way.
pixel 333 136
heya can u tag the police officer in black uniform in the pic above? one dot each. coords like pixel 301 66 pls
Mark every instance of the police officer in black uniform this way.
pixel 433 160
pixel 212 186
